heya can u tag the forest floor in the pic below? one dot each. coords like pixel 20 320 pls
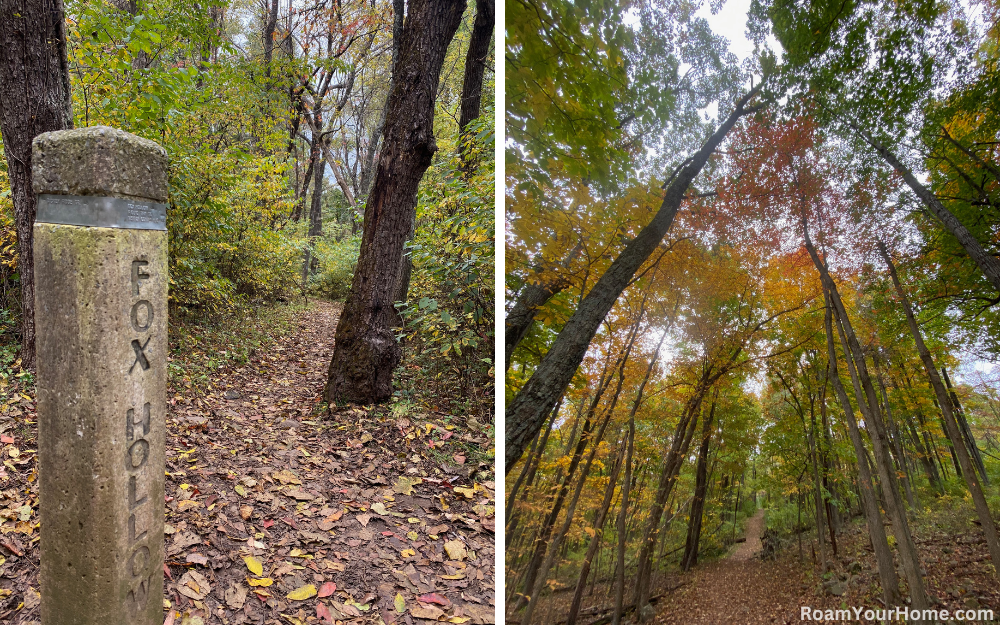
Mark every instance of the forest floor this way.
pixel 742 588
pixel 279 512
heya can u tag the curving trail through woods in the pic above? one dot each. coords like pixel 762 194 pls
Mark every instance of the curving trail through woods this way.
pixel 738 589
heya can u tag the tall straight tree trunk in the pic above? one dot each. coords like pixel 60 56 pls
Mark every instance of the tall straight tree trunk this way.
pixel 683 434
pixel 34 81
pixel 315 218
pixel 690 557
pixel 542 540
pixel 876 531
pixel 897 444
pixel 526 413
pixel 868 404
pixel 595 541
pixel 982 509
pixel 475 62
pixel 366 353
pixel 963 426
pixel 616 614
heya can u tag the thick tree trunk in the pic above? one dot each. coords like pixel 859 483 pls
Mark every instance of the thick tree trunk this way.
pixel 526 413
pixel 690 557
pixel 876 531
pixel 34 81
pixel 366 352
pixel 982 509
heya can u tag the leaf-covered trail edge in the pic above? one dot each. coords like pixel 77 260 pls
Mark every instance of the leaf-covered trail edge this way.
pixel 277 513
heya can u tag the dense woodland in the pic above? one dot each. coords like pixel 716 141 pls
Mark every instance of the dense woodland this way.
pixel 770 283
pixel 275 118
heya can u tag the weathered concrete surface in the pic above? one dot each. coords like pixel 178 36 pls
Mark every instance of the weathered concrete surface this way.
pixel 101 313
pixel 98 160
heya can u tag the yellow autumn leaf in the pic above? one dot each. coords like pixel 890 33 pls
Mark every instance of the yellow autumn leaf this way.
pixel 254 565
pixel 302 593
pixel 406 553
pixel 264 581
pixel 400 603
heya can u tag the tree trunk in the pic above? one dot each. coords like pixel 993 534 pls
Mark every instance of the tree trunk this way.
pixel 475 66
pixel 616 615
pixel 34 80
pixel 315 218
pixel 518 321
pixel 595 541
pixel 366 352
pixel 526 413
pixel 876 531
pixel 683 434
pixel 690 557
pixel 963 426
pixel 982 509
pixel 989 265
pixel 270 24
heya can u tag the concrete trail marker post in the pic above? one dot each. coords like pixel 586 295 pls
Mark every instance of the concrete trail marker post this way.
pixel 101 312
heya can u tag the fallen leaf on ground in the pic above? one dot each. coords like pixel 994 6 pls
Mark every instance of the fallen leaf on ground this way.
pixel 404 485
pixel 399 603
pixel 255 566
pixel 302 593
pixel 236 596
pixel 196 558
pixel 455 550
pixel 426 611
pixel 433 597
pixel 327 589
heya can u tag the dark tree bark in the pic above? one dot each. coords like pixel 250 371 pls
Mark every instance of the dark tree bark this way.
pixel 982 509
pixel 270 24
pixel 475 62
pixel 526 413
pixel 34 81
pixel 518 321
pixel 366 352
pixel 690 557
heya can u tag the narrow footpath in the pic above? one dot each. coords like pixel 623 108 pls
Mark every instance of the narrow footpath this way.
pixel 739 589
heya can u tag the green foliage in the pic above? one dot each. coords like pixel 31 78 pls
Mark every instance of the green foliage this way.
pixel 449 313
pixel 337 260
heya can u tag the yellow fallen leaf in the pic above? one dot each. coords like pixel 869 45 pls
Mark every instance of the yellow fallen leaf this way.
pixel 264 581
pixel 187 503
pixel 254 565
pixel 406 553
pixel 458 619
pixel 412 535
pixel 468 492
pixel 456 576
pixel 400 603
pixel 302 593
pixel 298 553
pixel 455 549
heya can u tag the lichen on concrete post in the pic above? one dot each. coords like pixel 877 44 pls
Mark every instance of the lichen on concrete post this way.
pixel 101 313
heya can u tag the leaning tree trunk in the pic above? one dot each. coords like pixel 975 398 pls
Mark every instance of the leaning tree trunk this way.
pixel 34 81
pixel 982 509
pixel 876 530
pixel 526 413
pixel 366 353
pixel 963 426
pixel 868 404
pixel 987 263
